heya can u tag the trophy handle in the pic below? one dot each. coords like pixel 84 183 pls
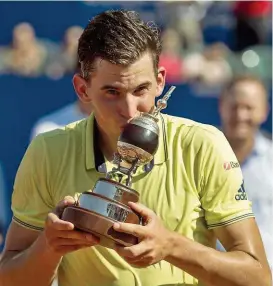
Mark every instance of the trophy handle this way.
pixel 77 201
pixel 131 171
pixel 126 171
pixel 162 103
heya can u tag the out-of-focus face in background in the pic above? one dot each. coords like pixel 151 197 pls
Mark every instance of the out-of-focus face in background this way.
pixel 243 109
pixel 72 36
pixel 23 35
pixel 171 43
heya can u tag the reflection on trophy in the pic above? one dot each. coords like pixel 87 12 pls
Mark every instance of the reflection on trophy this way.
pixel 96 211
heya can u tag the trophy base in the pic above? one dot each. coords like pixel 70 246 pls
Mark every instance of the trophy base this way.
pixel 98 225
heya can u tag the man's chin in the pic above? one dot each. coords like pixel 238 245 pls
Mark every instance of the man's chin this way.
pixel 117 132
pixel 241 136
pixel 238 134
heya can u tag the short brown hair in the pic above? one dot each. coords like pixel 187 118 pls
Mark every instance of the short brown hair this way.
pixel 119 37
pixel 243 78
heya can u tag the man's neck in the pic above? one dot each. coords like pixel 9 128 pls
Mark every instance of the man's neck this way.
pixel 108 144
pixel 84 108
pixel 242 148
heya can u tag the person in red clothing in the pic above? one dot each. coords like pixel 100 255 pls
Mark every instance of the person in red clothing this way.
pixel 171 56
pixel 252 27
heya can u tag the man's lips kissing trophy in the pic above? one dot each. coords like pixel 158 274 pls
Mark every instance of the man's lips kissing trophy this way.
pixel 96 211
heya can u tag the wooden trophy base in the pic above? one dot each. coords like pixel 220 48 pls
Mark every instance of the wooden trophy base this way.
pixel 97 211
pixel 98 225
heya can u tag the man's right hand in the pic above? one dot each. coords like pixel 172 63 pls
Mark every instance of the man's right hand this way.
pixel 60 235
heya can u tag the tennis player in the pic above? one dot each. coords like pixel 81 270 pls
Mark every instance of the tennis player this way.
pixel 189 197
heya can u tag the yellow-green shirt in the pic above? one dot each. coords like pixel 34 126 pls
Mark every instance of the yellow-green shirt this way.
pixel 193 184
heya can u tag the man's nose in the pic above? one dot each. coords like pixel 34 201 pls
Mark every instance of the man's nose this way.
pixel 128 107
pixel 242 114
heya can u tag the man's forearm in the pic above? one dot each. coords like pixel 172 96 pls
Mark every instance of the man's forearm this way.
pixel 34 266
pixel 216 268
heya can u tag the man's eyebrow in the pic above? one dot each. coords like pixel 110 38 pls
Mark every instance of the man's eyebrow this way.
pixel 146 83
pixel 109 86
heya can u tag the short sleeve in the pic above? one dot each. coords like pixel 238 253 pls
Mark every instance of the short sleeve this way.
pixel 31 199
pixel 223 195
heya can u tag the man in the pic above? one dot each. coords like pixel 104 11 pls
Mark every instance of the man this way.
pixel 188 198
pixel 57 119
pixel 27 55
pixel 72 112
pixel 243 108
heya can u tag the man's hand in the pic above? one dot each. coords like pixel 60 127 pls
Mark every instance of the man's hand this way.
pixel 153 238
pixel 60 235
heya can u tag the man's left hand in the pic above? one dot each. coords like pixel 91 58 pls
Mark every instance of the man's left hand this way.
pixel 153 238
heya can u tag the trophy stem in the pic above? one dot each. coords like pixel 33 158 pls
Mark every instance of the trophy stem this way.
pixel 162 103
pixel 131 171
pixel 127 171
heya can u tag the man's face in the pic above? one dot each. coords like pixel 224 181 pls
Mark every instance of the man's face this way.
pixel 23 35
pixel 243 110
pixel 120 93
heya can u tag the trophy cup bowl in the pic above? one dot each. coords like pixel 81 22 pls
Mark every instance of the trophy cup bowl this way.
pixel 139 140
pixel 97 210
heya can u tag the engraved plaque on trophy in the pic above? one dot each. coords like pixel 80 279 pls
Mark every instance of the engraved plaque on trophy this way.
pixel 96 211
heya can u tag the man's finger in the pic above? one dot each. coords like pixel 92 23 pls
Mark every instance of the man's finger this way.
pixel 67 201
pixel 130 228
pixel 58 224
pixel 63 249
pixel 79 235
pixel 138 263
pixel 71 242
pixel 146 213
pixel 135 252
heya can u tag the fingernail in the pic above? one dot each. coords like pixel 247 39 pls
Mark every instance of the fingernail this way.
pixel 70 226
pixel 116 225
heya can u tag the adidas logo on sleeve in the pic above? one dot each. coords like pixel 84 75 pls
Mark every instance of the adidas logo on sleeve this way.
pixel 241 194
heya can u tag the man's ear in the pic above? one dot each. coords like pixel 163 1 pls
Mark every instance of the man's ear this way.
pixel 161 78
pixel 80 86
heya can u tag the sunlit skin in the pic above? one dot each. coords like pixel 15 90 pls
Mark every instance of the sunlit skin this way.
pixel 242 112
pixel 118 94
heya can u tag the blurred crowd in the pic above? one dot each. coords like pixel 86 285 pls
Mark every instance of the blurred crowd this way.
pixel 30 56
pixel 241 43
pixel 236 55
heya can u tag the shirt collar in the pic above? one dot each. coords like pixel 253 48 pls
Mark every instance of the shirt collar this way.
pixel 260 148
pixel 95 158
pixel 260 145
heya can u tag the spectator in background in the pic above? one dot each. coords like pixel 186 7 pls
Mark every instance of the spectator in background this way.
pixel 61 117
pixel 209 67
pixel 26 56
pixel 243 108
pixel 184 17
pixel 64 59
pixel 57 119
pixel 171 55
pixel 69 48
pixel 253 23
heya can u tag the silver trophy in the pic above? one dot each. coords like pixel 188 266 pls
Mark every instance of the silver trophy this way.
pixel 96 211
